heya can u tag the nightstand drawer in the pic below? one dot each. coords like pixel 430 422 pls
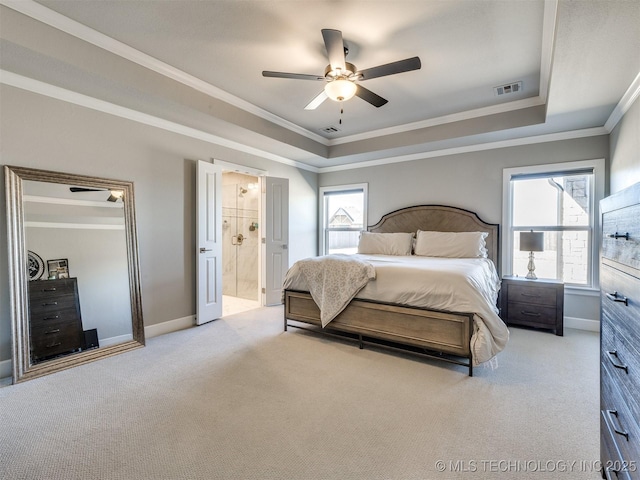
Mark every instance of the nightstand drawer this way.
pixel 533 295
pixel 530 314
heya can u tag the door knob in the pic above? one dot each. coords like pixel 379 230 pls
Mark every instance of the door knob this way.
pixel 202 249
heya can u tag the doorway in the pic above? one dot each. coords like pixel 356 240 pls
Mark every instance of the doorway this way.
pixel 241 197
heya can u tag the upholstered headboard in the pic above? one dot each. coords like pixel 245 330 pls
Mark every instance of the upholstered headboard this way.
pixel 440 218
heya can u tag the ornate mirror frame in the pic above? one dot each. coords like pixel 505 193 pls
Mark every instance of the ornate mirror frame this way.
pixel 23 367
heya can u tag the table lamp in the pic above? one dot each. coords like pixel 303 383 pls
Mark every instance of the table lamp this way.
pixel 531 242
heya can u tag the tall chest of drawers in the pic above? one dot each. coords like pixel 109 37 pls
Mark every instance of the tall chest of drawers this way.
pixel 620 335
pixel 55 321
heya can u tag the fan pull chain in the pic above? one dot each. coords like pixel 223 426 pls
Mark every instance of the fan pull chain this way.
pixel 341 112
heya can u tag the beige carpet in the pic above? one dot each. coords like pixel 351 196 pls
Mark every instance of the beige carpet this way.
pixel 241 399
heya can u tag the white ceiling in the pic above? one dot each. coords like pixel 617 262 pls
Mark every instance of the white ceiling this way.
pixel 579 62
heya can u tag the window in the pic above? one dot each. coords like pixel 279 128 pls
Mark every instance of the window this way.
pixel 343 215
pixel 561 201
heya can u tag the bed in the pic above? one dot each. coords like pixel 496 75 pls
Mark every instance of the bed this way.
pixel 454 318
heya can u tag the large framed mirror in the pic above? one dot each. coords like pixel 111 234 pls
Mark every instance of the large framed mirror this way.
pixel 73 270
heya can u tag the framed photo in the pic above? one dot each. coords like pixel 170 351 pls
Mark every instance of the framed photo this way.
pixel 58 268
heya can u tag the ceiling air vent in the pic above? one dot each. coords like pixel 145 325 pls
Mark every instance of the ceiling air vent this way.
pixel 509 88
pixel 330 129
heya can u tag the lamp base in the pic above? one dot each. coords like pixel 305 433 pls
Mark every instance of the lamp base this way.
pixel 531 266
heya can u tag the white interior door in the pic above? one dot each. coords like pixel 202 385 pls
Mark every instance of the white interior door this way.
pixel 209 246
pixel 276 206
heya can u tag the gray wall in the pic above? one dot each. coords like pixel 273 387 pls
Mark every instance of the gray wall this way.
pixel 472 181
pixel 625 150
pixel 41 132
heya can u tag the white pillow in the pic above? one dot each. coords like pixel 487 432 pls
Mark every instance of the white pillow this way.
pixel 451 244
pixel 385 243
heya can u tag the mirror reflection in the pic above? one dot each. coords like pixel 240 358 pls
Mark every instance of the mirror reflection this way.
pixel 74 276
pixel 78 273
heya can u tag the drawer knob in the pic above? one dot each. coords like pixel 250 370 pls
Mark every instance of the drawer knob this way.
pixel 619 431
pixel 52 289
pixel 52 318
pixel 54 345
pixel 621 366
pixel 49 304
pixel 619 235
pixel 530 314
pixel 616 297
pixel 55 330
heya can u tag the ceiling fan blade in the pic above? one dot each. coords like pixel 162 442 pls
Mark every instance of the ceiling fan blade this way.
pixel 297 76
pixel 400 66
pixel 82 189
pixel 317 101
pixel 369 96
pixel 335 47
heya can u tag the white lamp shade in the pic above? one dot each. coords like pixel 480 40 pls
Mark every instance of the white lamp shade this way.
pixel 340 90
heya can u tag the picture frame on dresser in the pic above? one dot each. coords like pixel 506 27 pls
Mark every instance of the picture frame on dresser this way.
pixel 620 334
pixel 58 268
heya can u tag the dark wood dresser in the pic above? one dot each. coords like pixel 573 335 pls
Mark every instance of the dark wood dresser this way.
pixel 620 335
pixel 533 303
pixel 55 321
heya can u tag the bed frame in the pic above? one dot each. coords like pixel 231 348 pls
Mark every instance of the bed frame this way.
pixel 433 333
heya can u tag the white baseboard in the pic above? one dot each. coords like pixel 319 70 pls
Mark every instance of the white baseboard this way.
pixel 169 326
pixel 106 342
pixel 582 324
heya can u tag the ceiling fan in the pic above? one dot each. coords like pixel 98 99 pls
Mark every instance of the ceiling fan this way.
pixel 342 76
pixel 114 195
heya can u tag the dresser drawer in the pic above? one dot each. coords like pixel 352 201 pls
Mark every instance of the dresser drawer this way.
pixel 62 323
pixel 621 361
pixel 43 289
pixel 623 421
pixel 610 455
pixel 624 249
pixel 531 314
pixel 55 343
pixel 52 308
pixel 533 295
pixel 620 302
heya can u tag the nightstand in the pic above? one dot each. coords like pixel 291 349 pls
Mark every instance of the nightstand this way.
pixel 533 303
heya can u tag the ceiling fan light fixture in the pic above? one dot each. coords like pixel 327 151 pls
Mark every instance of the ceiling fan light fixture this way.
pixel 340 90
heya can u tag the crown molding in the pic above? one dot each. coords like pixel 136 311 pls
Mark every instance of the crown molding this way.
pixel 625 103
pixel 45 15
pixel 41 88
pixel 65 24
pixel 35 86
pixel 444 119
pixel 478 147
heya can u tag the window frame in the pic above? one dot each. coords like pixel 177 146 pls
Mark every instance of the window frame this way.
pixel 322 229
pixel 597 194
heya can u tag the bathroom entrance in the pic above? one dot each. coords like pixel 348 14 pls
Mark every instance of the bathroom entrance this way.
pixel 241 242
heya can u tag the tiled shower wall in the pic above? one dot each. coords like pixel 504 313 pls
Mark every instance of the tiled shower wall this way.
pixel 240 215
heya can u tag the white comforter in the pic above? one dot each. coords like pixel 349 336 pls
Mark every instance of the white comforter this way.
pixel 468 285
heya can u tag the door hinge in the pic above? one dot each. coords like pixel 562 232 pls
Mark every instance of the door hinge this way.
pixel 264 290
pixel 264 240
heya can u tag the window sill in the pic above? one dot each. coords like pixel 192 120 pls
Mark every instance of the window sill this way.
pixel 584 291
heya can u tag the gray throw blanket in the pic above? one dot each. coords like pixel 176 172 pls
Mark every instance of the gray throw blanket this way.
pixel 334 280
